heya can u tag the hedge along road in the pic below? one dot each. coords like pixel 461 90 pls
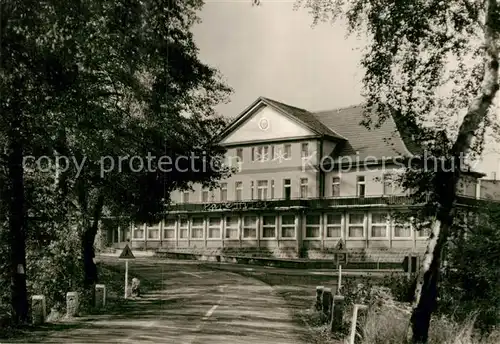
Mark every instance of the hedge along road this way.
pixel 187 304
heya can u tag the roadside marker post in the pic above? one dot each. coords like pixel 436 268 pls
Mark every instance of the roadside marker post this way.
pixel 126 255
pixel 357 326
pixel 340 280
pixel 126 278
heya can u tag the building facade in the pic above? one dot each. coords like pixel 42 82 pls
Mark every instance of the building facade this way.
pixel 304 182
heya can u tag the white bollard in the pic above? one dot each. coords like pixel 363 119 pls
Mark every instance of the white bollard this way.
pixel 72 304
pixel 136 291
pixel 355 325
pixel 100 295
pixel 38 310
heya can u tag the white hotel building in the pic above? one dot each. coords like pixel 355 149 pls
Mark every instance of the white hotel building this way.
pixel 281 203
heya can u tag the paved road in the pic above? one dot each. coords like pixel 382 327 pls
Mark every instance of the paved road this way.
pixel 300 272
pixel 189 304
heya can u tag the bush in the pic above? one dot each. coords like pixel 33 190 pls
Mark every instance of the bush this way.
pixel 471 280
pixel 55 269
pixel 366 290
pixel 389 325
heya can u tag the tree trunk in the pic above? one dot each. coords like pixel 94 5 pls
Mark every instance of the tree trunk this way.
pixel 17 227
pixel 88 238
pixel 426 287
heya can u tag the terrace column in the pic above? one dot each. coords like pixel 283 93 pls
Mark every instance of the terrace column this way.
pixel 131 229
pixel 161 232
pixel 322 229
pixel 205 229
pixel 240 228
pixel 259 229
pixel 299 228
pixel 223 229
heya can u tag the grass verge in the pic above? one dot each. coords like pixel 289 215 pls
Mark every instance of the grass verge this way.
pixel 299 292
pixel 112 276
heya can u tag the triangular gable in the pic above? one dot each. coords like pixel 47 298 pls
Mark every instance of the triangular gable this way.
pixel 265 122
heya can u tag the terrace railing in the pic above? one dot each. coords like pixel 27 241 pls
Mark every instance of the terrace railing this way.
pixel 311 203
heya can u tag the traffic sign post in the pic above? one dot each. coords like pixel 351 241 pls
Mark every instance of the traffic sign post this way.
pixel 126 255
pixel 340 280
pixel 126 278
pixel 340 259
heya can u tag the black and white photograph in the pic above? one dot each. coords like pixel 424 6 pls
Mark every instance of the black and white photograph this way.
pixel 250 171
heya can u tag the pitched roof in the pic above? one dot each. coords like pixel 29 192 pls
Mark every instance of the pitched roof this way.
pixel 306 118
pixel 357 140
pixel 302 116
pixel 385 141
pixel 391 139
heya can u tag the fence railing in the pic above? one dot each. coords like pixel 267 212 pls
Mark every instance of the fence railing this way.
pixel 312 203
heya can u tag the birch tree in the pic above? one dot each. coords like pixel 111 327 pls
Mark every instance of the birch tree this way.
pixel 433 66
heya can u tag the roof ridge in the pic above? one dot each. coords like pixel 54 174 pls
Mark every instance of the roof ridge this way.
pixel 285 104
pixel 338 109
pixel 313 123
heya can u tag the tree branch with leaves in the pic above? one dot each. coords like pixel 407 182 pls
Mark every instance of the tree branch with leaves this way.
pixel 433 66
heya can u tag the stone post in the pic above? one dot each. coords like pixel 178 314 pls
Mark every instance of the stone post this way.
pixel 327 302
pixel 72 304
pixel 358 323
pixel 100 295
pixel 319 295
pixel 136 291
pixel 38 310
pixel 337 313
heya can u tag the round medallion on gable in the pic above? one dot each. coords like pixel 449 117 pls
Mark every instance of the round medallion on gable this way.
pixel 264 123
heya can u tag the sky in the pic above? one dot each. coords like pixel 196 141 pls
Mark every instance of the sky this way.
pixel 273 51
